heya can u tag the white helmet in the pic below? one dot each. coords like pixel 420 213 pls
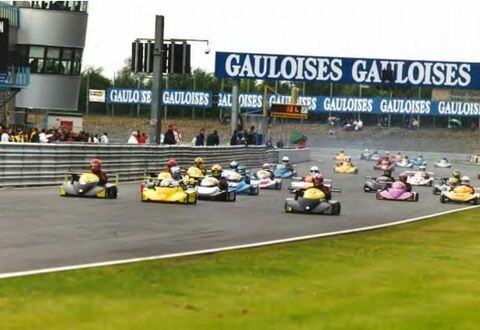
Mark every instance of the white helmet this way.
pixel 348 158
pixel 234 165
pixel 285 159
pixel 422 168
pixel 366 150
pixel 314 169
pixel 465 180
pixel 266 166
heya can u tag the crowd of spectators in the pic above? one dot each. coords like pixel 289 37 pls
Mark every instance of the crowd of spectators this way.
pixel 35 135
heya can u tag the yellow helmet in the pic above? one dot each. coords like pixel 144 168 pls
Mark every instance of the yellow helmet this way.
pixel 199 161
pixel 216 169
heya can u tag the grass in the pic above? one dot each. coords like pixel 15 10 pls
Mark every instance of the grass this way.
pixel 417 276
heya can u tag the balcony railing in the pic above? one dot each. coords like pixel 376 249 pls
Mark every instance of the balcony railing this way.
pixel 11 13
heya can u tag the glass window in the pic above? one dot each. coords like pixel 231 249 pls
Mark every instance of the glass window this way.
pixel 52 66
pixel 36 65
pixel 76 68
pixel 78 54
pixel 67 54
pixel 37 51
pixel 66 67
pixel 53 52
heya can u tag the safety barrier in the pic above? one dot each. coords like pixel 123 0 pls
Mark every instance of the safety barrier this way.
pixel 475 159
pixel 33 164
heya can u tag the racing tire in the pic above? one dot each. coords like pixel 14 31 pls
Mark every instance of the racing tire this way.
pixel 366 189
pixel 278 186
pixel 231 196
pixel 336 209
pixel 416 197
pixel 377 196
pixel 430 183
pixel 256 191
pixel 356 171
pixel 476 201
pixel 287 208
pixel 443 199
pixel 112 192
pixel 435 191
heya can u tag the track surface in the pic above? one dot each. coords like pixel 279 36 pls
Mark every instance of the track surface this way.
pixel 39 229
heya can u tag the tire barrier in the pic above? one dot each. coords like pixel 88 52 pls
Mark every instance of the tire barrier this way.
pixel 33 164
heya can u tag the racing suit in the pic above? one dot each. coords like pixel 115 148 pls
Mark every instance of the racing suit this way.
pixel 102 176
pixel 222 182
pixel 324 189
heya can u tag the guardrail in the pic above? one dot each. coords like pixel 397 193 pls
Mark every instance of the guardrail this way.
pixel 33 164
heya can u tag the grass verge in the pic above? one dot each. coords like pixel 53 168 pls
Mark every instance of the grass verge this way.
pixel 417 276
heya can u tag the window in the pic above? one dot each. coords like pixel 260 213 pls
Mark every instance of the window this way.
pixel 80 6
pixel 52 60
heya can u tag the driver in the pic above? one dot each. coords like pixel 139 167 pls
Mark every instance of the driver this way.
pixel 217 174
pixel 267 167
pixel 199 163
pixel 422 172
pixel 234 166
pixel 286 163
pixel 465 181
pixel 387 176
pixel 170 164
pixel 96 168
pixel 398 157
pixel 341 154
pixel 456 174
pixel 317 180
pixel 403 178
pixel 348 161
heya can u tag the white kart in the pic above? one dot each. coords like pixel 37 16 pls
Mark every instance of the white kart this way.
pixel 443 163
pixel 405 163
pixel 419 178
pixel 265 180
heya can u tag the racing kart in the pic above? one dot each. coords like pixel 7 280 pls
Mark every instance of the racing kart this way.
pixel 404 163
pixel 420 161
pixel 87 185
pixel 374 184
pixel 397 192
pixel 340 157
pixel 240 183
pixel 193 176
pixel 460 194
pixel 300 184
pixel 209 189
pixel 443 163
pixel 312 201
pixel 419 178
pixel 442 186
pixel 284 172
pixel 366 156
pixel 265 180
pixel 384 165
pixel 345 168
pixel 375 157
pixel 167 191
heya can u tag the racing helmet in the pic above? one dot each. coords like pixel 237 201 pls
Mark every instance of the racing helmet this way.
pixel 314 169
pixel 285 159
pixel 375 152
pixel 216 170
pixel 348 158
pixel 199 161
pixel 233 165
pixel 176 173
pixel 365 151
pixel 96 164
pixel 456 174
pixel 465 180
pixel 422 168
pixel 403 178
pixel 420 156
pixel 452 181
pixel 266 166
pixel 171 163
pixel 387 152
pixel 406 157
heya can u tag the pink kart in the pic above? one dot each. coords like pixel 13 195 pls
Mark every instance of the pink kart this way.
pixel 384 165
pixel 397 192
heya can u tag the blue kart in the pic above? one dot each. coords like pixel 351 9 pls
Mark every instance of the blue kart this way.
pixel 419 161
pixel 284 172
pixel 240 183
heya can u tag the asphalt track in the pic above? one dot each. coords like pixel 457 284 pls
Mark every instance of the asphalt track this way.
pixel 39 229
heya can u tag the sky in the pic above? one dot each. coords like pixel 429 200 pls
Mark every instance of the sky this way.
pixel 412 30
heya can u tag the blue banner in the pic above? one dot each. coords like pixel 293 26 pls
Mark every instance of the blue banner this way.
pixel 180 98
pixel 347 70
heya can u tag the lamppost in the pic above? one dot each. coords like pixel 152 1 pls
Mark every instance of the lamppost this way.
pixel 360 88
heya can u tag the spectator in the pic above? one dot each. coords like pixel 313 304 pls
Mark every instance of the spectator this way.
pixel 104 138
pixel 359 126
pixel 213 139
pixel 42 137
pixel 96 139
pixel 251 137
pixel 176 134
pixel 200 139
pixel 142 138
pixel 169 136
pixel 34 136
pixel 133 138
pixel 5 137
pixel 415 123
pixel 234 140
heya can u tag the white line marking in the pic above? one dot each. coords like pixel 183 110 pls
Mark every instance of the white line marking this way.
pixel 223 249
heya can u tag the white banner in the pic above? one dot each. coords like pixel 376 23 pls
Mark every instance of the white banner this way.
pixel 96 95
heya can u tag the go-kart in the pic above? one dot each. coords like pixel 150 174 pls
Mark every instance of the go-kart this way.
pixel 284 172
pixel 209 189
pixel 193 176
pixel 340 157
pixel 419 178
pixel 442 186
pixel 404 163
pixel 240 183
pixel 384 165
pixel 460 194
pixel 374 184
pixel 312 201
pixel 397 192
pixel 87 185
pixel 365 155
pixel 443 163
pixel 167 191
pixel 419 161
pixel 265 180
pixel 375 157
pixel 345 168
pixel 300 184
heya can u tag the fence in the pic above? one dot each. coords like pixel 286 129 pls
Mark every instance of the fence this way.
pixel 32 164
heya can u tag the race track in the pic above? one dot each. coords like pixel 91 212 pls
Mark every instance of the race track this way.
pixel 39 229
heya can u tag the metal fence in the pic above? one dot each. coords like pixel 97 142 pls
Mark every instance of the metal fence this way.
pixel 33 164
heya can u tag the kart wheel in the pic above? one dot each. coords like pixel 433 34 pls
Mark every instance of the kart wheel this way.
pixel 356 171
pixel 336 209
pixel 476 201
pixel 430 183
pixel 443 199
pixel 416 197
pixel 232 196
pixel 256 192
pixel 378 196
pixel 278 186
pixel 366 189
pixel 435 191
pixel 287 208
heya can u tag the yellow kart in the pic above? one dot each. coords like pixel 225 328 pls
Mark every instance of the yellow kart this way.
pixel 167 191
pixel 345 168
pixel 87 185
pixel 340 157
pixel 460 194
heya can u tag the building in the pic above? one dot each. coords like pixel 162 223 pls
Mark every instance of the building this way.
pixel 48 37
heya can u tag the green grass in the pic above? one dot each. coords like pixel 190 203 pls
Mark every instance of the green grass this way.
pixel 418 276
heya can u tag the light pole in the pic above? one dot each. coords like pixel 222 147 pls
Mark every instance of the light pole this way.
pixel 360 87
